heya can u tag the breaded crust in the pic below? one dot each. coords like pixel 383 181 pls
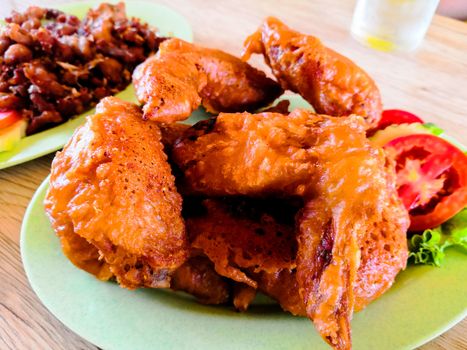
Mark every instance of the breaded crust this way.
pixel 112 187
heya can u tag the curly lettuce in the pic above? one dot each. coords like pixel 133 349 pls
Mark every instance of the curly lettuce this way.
pixel 429 247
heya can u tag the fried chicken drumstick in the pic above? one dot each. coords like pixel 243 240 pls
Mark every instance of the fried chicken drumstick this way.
pixel 112 199
pixel 182 76
pixel 332 83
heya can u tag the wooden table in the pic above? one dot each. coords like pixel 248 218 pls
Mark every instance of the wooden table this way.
pixel 430 82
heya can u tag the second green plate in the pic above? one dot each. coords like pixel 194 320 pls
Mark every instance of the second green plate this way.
pixel 167 21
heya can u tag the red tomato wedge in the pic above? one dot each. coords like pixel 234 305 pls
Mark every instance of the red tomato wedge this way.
pixel 431 178
pixel 394 116
pixel 8 118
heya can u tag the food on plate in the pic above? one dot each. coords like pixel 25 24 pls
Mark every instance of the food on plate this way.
pixel 255 154
pixel 395 117
pixel 12 129
pixel 383 247
pixel 198 277
pixel 418 176
pixel 348 191
pixel 431 178
pixel 283 287
pixel 428 247
pixel 332 83
pixel 243 296
pixel 242 238
pixel 300 206
pixel 382 137
pixel 54 66
pixel 112 195
pixel 183 76
pixel 170 133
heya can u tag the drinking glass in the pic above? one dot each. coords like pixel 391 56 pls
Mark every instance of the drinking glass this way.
pixel 392 24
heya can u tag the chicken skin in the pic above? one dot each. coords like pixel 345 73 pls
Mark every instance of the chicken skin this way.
pixel 258 155
pixel 198 277
pixel 332 83
pixel 329 163
pixel 112 199
pixel 183 76
pixel 240 237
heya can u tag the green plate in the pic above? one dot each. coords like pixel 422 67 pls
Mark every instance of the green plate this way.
pixel 423 303
pixel 168 22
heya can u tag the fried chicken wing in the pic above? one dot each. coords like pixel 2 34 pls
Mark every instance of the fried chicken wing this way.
pixel 182 76
pixel 332 83
pixel 348 196
pixel 112 194
pixel 263 154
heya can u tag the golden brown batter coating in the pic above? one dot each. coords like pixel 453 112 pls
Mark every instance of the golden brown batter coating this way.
pixel 243 296
pixel 283 287
pixel 383 248
pixel 182 76
pixel 112 187
pixel 240 240
pixel 261 154
pixel 332 83
pixel 330 164
pixel 171 132
pixel 198 277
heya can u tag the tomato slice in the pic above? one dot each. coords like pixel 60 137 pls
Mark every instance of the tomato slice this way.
pixel 431 178
pixel 394 116
pixel 8 118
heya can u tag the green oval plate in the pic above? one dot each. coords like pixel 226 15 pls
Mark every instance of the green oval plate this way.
pixel 423 303
pixel 168 22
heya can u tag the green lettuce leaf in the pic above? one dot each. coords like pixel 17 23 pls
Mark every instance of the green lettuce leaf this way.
pixel 433 128
pixel 428 248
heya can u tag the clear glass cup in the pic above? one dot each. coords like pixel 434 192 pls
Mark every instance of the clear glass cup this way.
pixel 392 24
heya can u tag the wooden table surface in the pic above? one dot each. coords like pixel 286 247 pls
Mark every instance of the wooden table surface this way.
pixel 431 82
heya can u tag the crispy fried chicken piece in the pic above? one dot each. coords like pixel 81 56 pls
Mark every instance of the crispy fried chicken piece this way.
pixel 243 296
pixel 171 132
pixel 82 253
pixel 330 164
pixel 265 154
pixel 112 192
pixel 283 287
pixel 383 247
pixel 383 252
pixel 182 76
pixel 198 277
pixel 239 237
pixel 332 83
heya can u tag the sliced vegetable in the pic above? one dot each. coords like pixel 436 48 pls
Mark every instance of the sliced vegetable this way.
pixel 8 118
pixel 431 178
pixel 10 135
pixel 382 137
pixel 395 116
pixel 428 248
